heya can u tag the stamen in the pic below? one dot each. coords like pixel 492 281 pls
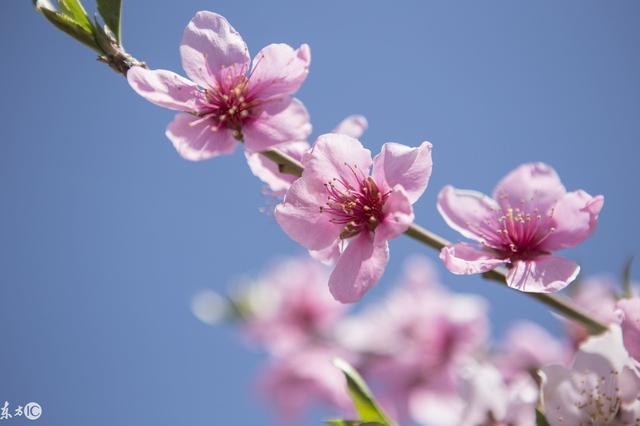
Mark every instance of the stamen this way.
pixel 519 230
pixel 358 208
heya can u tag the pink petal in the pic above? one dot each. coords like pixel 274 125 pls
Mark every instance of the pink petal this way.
pixel 631 325
pixel 465 259
pixel 398 215
pixel 398 164
pixel 629 384
pixel 267 171
pixel 471 213
pixel 536 185
pixel 358 268
pixel 335 156
pixel 280 120
pixel 329 254
pixel 197 140
pixel 210 45
pixel 165 88
pixel 353 125
pixel 300 217
pixel 604 353
pixel 575 218
pixel 300 380
pixel 431 407
pixel 600 379
pixel 278 69
pixel 559 396
pixel 544 274
pixel 527 347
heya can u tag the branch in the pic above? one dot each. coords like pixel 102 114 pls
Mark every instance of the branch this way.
pixel 120 61
pixel 290 166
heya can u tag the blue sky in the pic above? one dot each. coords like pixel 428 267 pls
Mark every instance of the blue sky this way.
pixel 105 233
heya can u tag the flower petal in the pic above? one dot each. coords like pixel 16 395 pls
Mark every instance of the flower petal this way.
pixel 165 88
pixel 329 254
pixel 335 156
pixel 300 217
pixel 398 215
pixel 544 274
pixel 432 407
pixel 278 69
pixel 575 218
pixel 465 259
pixel 353 125
pixel 195 139
pixel 210 45
pixel 359 267
pixel 280 120
pixel 536 185
pixel 399 164
pixel 471 213
pixel 559 396
pixel 268 172
pixel 630 308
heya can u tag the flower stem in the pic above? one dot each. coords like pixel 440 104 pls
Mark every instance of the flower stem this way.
pixel 286 164
pixel 290 166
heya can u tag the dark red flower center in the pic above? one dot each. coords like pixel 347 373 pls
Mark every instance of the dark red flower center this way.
pixel 231 104
pixel 357 208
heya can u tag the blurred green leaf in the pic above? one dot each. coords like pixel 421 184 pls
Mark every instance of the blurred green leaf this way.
pixel 71 27
pixel 363 400
pixel 541 420
pixel 111 12
pixel 74 10
pixel 626 278
pixel 341 422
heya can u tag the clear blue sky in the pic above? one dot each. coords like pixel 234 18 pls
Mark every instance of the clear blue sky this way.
pixel 105 233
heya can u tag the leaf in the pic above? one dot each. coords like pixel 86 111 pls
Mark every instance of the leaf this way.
pixel 74 10
pixel 341 422
pixel 111 12
pixel 626 278
pixel 363 400
pixel 541 420
pixel 71 27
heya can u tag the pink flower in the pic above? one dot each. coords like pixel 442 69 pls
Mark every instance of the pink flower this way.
pixel 267 171
pixel 302 380
pixel 601 388
pixel 530 216
pixel 527 347
pixel 482 397
pixel 289 307
pixel 630 310
pixel 416 336
pixel 338 206
pixel 226 101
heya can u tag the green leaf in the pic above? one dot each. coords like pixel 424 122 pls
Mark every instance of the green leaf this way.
pixel 71 27
pixel 74 10
pixel 111 12
pixel 341 422
pixel 541 420
pixel 363 400
pixel 626 278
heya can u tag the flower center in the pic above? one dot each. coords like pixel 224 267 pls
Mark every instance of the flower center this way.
pixel 522 230
pixel 358 208
pixel 598 396
pixel 230 105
